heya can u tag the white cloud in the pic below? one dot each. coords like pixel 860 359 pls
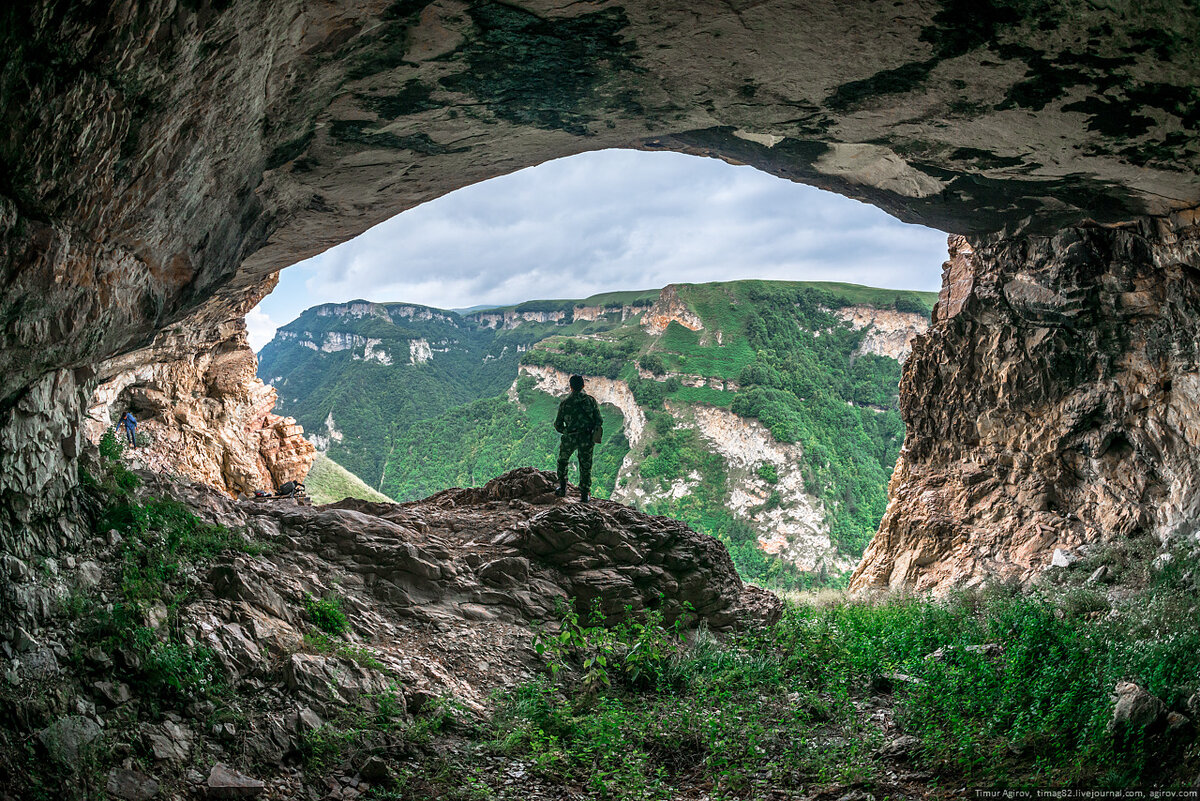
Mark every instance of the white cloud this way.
pixel 613 220
pixel 260 328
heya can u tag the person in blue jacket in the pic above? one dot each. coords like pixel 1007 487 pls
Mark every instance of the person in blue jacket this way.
pixel 130 424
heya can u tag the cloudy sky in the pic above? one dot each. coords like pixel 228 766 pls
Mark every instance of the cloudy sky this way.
pixel 603 221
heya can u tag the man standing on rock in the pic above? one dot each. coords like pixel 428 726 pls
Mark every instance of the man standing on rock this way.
pixel 579 423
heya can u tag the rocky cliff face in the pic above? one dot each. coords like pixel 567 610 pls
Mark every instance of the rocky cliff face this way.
pixel 510 319
pixel 1052 407
pixel 205 414
pixel 889 333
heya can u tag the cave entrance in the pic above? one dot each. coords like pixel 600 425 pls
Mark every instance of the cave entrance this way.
pixel 744 333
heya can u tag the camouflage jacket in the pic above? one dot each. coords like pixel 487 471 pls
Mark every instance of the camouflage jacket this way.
pixel 578 414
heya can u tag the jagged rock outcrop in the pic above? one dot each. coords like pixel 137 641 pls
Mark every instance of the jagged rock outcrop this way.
pixel 796 529
pixel 442 599
pixel 1053 406
pixel 443 592
pixel 206 415
pixel 670 308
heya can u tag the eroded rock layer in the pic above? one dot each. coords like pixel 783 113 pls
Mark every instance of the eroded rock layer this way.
pixel 1053 405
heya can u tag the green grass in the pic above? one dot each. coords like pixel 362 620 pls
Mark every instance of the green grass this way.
pixel 704 395
pixel 683 352
pixel 789 707
pixel 329 482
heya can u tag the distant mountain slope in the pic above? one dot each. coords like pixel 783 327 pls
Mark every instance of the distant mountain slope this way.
pixel 358 375
pixel 329 482
pixel 764 413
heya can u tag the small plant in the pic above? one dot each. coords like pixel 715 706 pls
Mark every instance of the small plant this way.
pixel 327 615
pixel 111 446
pixel 635 651
pixel 768 472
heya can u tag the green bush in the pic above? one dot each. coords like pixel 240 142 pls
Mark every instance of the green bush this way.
pixel 768 473
pixel 327 615
pixel 653 362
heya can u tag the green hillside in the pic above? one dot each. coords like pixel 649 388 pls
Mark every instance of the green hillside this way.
pixel 774 352
pixel 329 482
pixel 472 444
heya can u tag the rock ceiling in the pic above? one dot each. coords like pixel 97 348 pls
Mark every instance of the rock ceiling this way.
pixel 156 154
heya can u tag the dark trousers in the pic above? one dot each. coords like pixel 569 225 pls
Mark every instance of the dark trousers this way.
pixel 581 443
pixel 131 435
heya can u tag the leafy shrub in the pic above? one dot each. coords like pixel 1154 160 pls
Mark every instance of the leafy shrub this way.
pixel 650 393
pixel 768 472
pixel 174 669
pixel 635 651
pixel 111 446
pixel 653 362
pixel 327 615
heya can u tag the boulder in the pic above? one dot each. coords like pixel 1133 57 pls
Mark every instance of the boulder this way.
pixel 130 785
pixel 1062 558
pixel 168 742
pixel 505 571
pixel 68 739
pixel 331 683
pixel 225 782
pixel 1135 709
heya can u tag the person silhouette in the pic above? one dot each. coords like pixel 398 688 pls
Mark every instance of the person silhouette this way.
pixel 580 424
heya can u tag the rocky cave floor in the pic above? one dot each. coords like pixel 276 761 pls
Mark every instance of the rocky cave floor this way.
pixel 196 646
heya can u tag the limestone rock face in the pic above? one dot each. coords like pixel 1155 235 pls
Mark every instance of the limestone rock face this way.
pixel 796 530
pixel 889 333
pixel 207 416
pixel 670 308
pixel 1053 405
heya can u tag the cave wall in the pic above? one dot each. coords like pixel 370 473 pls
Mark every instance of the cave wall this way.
pixel 160 160
pixel 1053 405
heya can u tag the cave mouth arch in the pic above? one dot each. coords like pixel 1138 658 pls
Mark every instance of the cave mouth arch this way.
pixel 156 182
pixel 603 224
pixel 605 221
